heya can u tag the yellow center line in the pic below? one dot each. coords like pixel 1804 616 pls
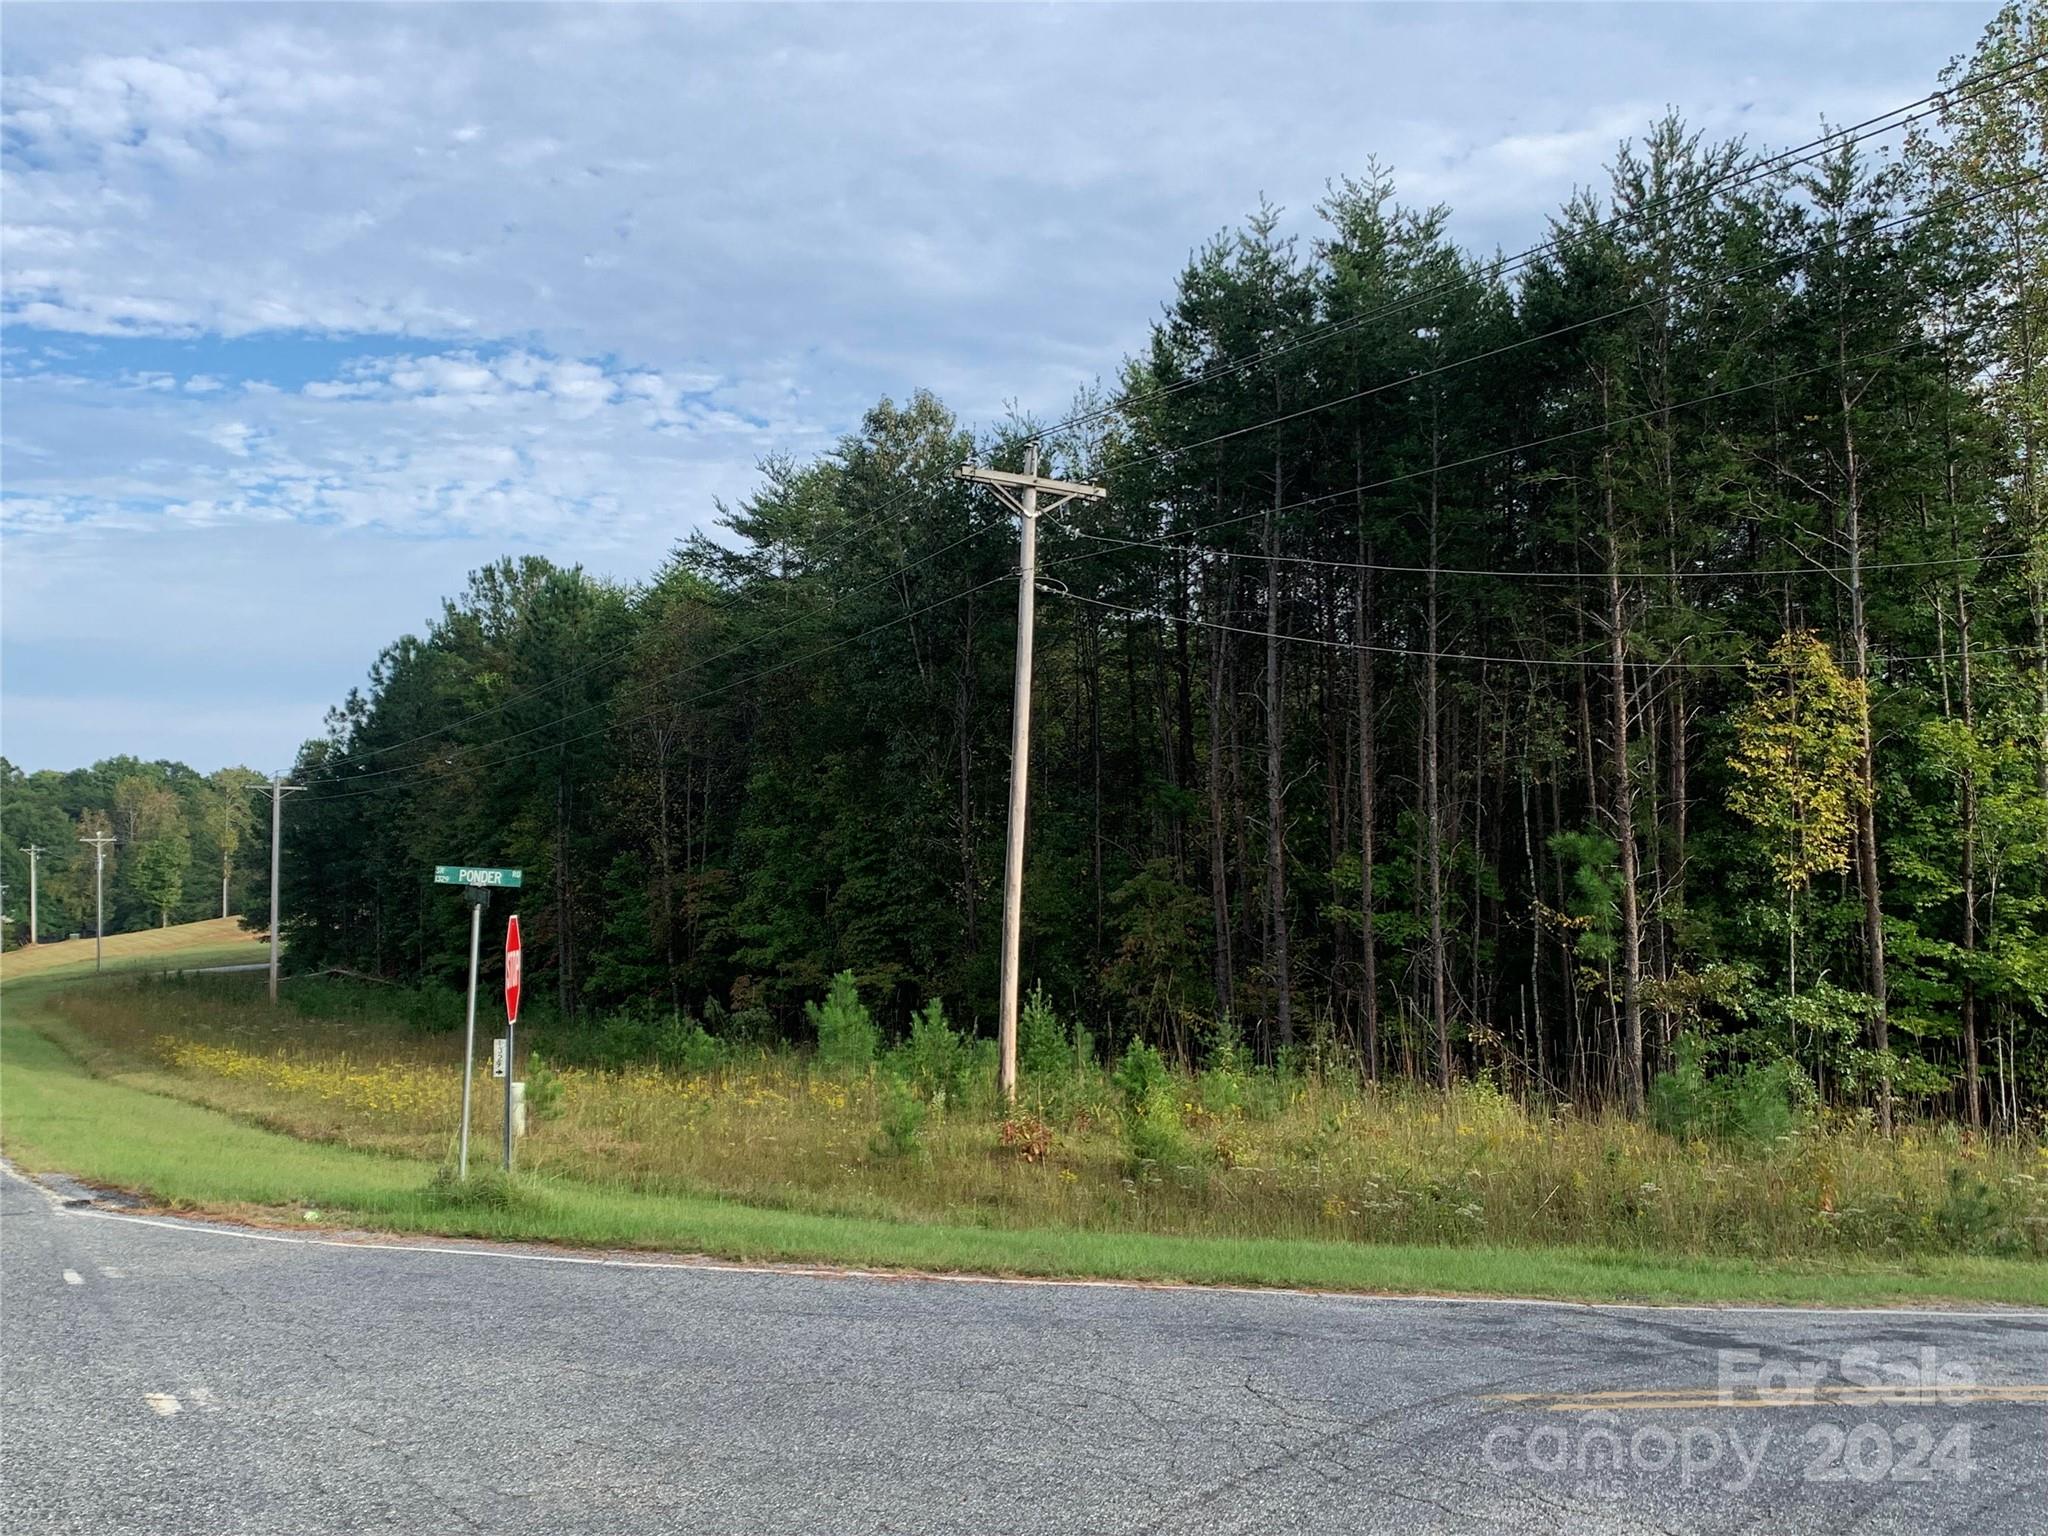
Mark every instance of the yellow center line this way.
pixel 1659 1398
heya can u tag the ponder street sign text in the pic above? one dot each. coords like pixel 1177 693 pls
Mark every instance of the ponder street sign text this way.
pixel 462 874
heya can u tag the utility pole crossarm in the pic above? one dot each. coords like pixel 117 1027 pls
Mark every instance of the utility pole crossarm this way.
pixel 1003 482
pixel 1028 486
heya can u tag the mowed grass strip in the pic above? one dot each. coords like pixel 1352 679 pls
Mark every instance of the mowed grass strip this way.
pixel 54 1115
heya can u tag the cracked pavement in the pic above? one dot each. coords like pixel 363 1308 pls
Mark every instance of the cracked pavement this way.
pixel 188 1378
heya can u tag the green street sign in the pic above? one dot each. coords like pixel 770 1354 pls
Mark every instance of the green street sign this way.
pixel 459 874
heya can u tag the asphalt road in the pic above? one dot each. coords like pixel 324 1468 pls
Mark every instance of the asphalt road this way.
pixel 168 1377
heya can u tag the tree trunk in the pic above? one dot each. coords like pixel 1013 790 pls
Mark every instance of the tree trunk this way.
pixel 969 879
pixel 565 948
pixel 2032 497
pixel 1972 1081
pixel 1432 815
pixel 1866 809
pixel 1219 847
pixel 1276 788
pixel 1369 978
pixel 1624 804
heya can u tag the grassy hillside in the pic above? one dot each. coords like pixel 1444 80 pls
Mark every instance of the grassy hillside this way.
pixel 217 941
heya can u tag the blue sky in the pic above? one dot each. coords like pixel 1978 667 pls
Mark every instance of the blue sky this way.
pixel 309 311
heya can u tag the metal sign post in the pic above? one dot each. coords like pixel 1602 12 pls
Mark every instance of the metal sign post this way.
pixel 513 955
pixel 479 898
pixel 478 885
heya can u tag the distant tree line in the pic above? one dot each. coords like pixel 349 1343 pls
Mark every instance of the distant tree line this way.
pixel 181 848
pixel 1535 668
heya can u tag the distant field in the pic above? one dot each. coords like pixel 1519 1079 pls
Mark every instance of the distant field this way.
pixel 217 941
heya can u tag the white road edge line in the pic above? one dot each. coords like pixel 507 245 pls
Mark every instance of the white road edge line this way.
pixel 686 1265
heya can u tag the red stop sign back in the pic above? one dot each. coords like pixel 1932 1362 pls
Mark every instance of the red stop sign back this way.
pixel 512 953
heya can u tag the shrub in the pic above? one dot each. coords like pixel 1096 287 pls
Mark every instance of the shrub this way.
pixel 1758 1104
pixel 754 1026
pixel 1142 1075
pixel 900 1132
pixel 935 1060
pixel 622 1039
pixel 1222 1082
pixel 1154 1137
pixel 486 1189
pixel 1026 1135
pixel 684 1045
pixel 847 1038
pixel 1971 1217
pixel 543 1088
pixel 1043 1049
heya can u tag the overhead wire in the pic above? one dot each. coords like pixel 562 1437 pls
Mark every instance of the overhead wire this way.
pixel 1826 143
pixel 498 707
pixel 1176 450
pixel 617 653
pixel 1911 112
pixel 725 687
pixel 1424 653
pixel 1118 541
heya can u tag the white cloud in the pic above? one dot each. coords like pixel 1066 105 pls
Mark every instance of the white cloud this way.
pixel 664 185
pixel 561 454
pixel 556 277
pixel 231 437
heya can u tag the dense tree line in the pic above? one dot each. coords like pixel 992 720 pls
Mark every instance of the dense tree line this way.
pixel 1478 665
pixel 181 846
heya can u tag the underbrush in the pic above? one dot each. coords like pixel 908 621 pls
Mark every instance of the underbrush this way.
pixel 1733 1165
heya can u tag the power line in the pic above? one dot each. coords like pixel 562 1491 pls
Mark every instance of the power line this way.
pixel 686 670
pixel 1606 425
pixel 1833 140
pixel 1424 654
pixel 869 525
pixel 1935 102
pixel 1729 275
pixel 1759 573
pixel 831 601
pixel 726 687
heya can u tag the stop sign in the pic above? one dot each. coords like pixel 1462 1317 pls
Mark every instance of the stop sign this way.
pixel 512 969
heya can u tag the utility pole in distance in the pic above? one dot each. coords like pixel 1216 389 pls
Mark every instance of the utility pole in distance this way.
pixel 278 790
pixel 1020 493
pixel 99 841
pixel 33 851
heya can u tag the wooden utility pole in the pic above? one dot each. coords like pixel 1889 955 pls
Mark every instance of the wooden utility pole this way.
pixel 99 841
pixel 1020 493
pixel 278 790
pixel 34 851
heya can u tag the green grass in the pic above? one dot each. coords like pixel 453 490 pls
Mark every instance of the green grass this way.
pixel 55 1115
